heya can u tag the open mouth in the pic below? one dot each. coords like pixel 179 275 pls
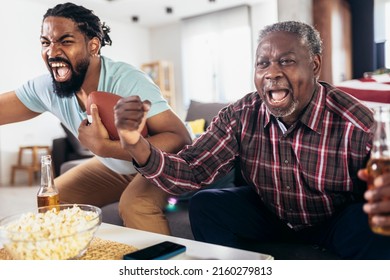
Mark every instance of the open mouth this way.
pixel 277 96
pixel 61 71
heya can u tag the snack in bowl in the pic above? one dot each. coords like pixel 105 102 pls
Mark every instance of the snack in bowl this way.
pixel 105 101
pixel 48 233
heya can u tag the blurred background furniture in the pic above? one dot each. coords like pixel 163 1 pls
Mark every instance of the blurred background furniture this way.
pixel 67 149
pixel 31 166
pixel 371 89
pixel 161 72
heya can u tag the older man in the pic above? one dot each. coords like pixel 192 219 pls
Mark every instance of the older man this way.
pixel 300 144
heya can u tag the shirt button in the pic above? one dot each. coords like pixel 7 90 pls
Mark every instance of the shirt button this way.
pixel 288 187
pixel 286 161
pixel 290 209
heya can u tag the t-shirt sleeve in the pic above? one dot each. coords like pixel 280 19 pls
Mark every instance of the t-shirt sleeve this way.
pixel 126 80
pixel 34 94
pixel 148 90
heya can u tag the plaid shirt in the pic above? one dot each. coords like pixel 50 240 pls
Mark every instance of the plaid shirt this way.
pixel 304 175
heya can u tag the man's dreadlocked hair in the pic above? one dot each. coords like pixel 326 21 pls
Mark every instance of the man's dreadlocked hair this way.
pixel 87 21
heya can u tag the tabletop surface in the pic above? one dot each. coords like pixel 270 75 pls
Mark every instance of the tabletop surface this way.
pixel 195 250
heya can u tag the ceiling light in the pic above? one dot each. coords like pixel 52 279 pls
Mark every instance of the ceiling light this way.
pixel 169 10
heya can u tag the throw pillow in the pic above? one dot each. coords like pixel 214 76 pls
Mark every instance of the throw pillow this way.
pixel 197 126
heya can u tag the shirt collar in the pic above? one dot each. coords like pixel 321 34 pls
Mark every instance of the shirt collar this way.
pixel 312 117
pixel 314 112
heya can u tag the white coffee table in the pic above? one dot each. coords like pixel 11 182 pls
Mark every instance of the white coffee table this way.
pixel 195 250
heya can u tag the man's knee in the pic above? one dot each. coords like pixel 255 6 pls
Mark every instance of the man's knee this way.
pixel 201 198
pixel 141 196
pixel 212 199
pixel 142 206
pixel 65 185
pixel 201 204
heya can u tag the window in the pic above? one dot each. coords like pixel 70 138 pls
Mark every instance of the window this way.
pixel 217 56
pixel 382 31
pixel 387 28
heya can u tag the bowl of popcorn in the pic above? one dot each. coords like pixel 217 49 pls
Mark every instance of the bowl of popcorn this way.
pixel 58 232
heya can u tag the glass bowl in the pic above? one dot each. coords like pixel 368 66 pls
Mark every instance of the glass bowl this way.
pixel 50 233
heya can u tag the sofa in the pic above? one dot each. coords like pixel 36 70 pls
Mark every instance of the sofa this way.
pixel 200 113
pixel 67 149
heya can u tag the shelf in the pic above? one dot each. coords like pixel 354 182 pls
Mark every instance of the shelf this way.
pixel 161 73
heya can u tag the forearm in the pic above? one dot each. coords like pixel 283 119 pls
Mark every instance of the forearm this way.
pixel 114 149
pixel 167 171
pixel 13 110
pixel 140 152
pixel 189 170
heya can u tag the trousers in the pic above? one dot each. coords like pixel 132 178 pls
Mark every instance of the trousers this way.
pixel 237 216
pixel 141 204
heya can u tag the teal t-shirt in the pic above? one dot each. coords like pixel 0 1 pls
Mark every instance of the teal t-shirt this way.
pixel 115 77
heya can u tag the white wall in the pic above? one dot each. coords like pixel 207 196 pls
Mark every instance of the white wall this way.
pixel 300 10
pixel 379 20
pixel 166 40
pixel 20 60
pixel 130 43
pixel 262 14
pixel 165 44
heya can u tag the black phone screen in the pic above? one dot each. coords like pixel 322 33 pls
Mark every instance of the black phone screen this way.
pixel 160 251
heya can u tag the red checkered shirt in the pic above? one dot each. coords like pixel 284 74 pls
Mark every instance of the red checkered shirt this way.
pixel 303 175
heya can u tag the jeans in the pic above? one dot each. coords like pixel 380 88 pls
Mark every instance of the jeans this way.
pixel 237 216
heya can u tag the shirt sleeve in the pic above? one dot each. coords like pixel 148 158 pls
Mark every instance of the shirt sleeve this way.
pixel 209 158
pixel 35 94
pixel 126 80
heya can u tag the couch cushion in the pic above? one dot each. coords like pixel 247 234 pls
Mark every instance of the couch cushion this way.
pixel 110 214
pixel 203 110
pixel 177 217
pixel 75 143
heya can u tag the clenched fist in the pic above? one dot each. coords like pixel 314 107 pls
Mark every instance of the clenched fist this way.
pixel 130 118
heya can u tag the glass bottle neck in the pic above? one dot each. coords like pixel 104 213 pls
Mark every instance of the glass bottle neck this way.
pixel 47 180
pixel 381 141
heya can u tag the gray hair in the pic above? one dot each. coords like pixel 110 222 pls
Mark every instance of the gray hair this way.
pixel 309 35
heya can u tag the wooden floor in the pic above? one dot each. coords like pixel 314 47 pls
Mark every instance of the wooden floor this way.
pixel 15 199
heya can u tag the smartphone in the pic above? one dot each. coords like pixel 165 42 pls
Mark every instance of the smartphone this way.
pixel 160 251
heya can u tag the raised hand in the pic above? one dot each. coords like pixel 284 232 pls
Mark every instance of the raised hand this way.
pixel 130 118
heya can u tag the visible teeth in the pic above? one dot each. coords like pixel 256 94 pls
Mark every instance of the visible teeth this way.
pixel 58 64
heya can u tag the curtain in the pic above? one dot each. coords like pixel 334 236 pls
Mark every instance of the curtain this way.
pixel 217 56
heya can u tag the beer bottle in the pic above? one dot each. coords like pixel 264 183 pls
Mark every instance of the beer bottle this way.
pixel 48 193
pixel 379 162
